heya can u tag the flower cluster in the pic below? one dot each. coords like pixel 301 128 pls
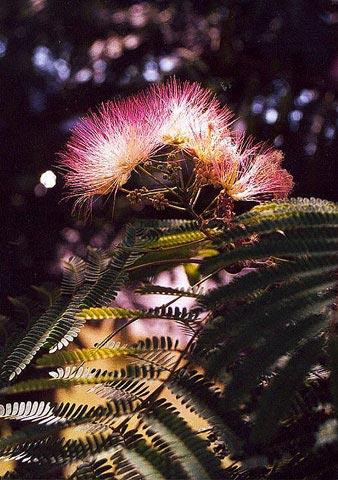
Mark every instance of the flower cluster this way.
pixel 107 146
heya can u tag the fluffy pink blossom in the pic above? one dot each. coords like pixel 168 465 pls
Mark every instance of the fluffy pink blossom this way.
pixel 250 172
pixel 105 147
pixel 189 111
pixel 212 146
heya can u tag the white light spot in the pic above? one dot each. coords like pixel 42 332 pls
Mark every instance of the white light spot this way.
pixel 150 71
pixel 83 75
pixel 96 49
pixel 42 58
pixel 257 106
pixel 305 96
pixel 329 132
pixel 48 179
pixel 167 64
pixel 295 115
pixel 114 47
pixel 131 41
pixel 271 116
pixel 62 68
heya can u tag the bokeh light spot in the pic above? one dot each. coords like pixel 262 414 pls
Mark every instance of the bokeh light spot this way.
pixel 83 75
pixel 151 72
pixel 257 105
pixel 48 179
pixel 3 47
pixel 168 63
pixel 296 115
pixel 271 116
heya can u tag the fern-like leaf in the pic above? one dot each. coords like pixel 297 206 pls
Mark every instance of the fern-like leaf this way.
pixel 275 308
pixel 25 350
pixel 277 400
pixel 283 216
pixel 126 389
pixel 27 411
pixel 204 398
pixel 147 461
pixel 97 469
pixel 58 326
pixel 246 286
pixel 59 451
pixel 149 289
pixel 84 355
pixel 39 384
pixel 102 292
pixel 193 455
pixel 163 312
pixel 65 414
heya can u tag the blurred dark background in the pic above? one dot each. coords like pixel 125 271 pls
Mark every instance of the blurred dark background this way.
pixel 274 62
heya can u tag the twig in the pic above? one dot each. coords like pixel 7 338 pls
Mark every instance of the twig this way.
pixel 164 262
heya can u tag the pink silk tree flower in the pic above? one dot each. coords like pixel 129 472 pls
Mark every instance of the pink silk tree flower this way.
pixel 189 111
pixel 253 173
pixel 105 147
pixel 212 145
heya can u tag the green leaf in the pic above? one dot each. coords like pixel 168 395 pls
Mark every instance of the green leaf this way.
pixel 80 355
pixel 204 398
pixel 40 384
pixel 283 342
pixel 191 450
pixel 163 312
pixel 96 469
pixel 149 289
pixel 277 399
